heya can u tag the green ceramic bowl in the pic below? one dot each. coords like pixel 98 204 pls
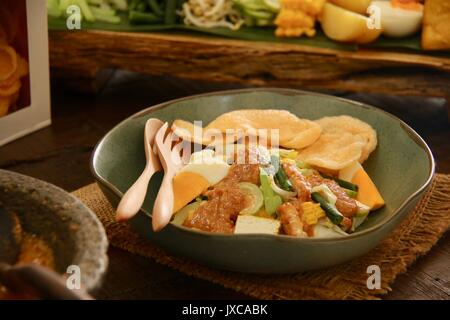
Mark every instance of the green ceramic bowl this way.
pixel 402 167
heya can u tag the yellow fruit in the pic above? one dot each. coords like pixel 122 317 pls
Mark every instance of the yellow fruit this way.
pixel 342 25
pixel 186 187
pixel 368 193
pixel 359 6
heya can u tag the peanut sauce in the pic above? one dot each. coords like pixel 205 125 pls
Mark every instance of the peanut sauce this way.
pixel 225 201
pixel 346 205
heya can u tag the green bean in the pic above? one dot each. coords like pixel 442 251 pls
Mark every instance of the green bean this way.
pixel 351 193
pixel 133 4
pixel 180 3
pixel 347 185
pixel 137 17
pixel 343 183
pixel 170 17
pixel 283 180
pixel 141 7
pixel 154 6
pixel 332 213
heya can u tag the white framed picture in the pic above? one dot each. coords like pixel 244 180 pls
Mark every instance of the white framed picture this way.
pixel 24 68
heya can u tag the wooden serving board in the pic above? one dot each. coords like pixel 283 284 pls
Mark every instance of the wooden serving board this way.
pixel 84 53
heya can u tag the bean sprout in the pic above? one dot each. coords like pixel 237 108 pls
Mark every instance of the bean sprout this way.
pixel 211 13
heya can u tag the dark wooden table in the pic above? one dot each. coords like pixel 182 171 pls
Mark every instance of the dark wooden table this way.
pixel 60 154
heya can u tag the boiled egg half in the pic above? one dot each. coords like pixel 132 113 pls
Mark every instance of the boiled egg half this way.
pixel 399 18
pixel 204 169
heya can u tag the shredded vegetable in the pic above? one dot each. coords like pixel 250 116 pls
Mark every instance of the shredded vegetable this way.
pixel 259 13
pixel 211 13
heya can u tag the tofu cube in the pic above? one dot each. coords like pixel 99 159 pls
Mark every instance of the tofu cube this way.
pixel 246 224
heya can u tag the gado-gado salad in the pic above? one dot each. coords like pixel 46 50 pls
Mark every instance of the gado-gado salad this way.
pixel 304 181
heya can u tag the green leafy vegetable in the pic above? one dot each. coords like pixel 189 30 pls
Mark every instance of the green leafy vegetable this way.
pixel 154 6
pixel 137 17
pixel 271 200
pixel 170 16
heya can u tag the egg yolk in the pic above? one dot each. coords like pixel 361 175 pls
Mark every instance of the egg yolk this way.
pixel 407 4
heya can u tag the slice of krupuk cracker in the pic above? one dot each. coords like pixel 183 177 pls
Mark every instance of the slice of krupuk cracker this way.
pixel 188 131
pixel 356 127
pixel 293 132
pixel 344 139
pixel 333 151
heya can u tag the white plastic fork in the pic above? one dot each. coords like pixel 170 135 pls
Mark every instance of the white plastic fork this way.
pixel 171 161
pixel 132 200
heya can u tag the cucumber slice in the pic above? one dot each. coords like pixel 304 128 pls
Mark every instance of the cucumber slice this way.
pixel 250 4
pixel 182 214
pixel 272 5
pixel 257 198
pixel 258 14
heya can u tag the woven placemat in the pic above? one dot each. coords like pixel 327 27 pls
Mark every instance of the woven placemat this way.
pixel 413 238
